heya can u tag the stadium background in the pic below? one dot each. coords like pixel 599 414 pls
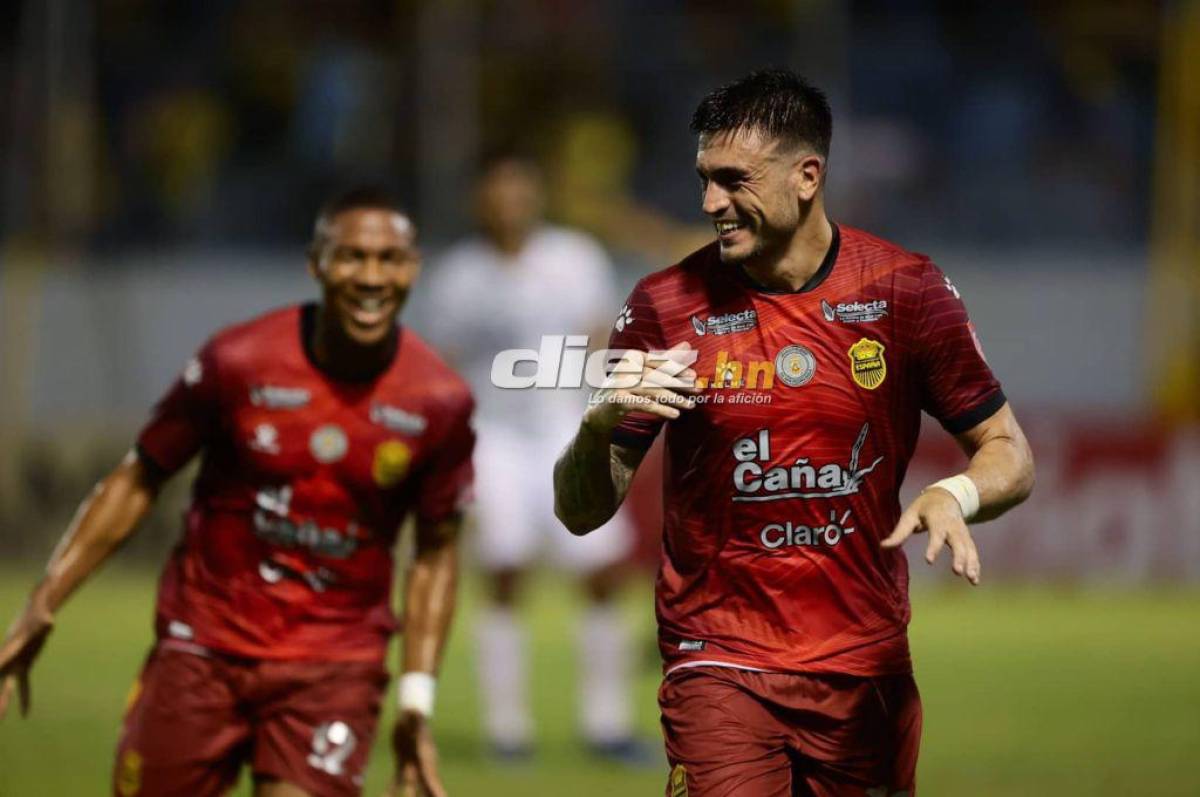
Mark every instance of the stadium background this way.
pixel 162 161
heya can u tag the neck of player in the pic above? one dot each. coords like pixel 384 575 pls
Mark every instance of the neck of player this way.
pixel 801 258
pixel 344 358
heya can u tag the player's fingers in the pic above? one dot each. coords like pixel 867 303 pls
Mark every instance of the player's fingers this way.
pixel 409 780
pixel 683 381
pixel 905 527
pixel 937 539
pixel 973 564
pixel 427 767
pixel 632 401
pixel 432 783
pixel 663 395
pixel 958 552
pixel 6 689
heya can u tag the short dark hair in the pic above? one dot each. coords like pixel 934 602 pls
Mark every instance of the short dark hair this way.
pixel 776 102
pixel 505 154
pixel 375 197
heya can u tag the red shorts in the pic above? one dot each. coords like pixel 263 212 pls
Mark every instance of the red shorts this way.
pixel 194 719
pixel 735 732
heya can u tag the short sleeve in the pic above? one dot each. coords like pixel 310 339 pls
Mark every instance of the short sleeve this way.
pixel 446 484
pixel 184 420
pixel 637 327
pixel 958 387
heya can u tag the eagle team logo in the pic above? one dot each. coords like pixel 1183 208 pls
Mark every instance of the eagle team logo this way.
pixel 391 463
pixel 795 365
pixel 867 365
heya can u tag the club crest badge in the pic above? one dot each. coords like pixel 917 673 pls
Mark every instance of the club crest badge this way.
pixel 795 365
pixel 867 365
pixel 392 459
pixel 328 443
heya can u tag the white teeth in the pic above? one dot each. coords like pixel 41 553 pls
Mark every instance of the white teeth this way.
pixel 727 226
pixel 370 305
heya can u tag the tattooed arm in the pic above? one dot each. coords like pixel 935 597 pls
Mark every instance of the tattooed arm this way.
pixel 593 475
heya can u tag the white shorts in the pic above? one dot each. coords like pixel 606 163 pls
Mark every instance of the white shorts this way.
pixel 514 517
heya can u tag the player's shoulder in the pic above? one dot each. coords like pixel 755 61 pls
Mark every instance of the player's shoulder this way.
pixel 902 275
pixel 872 253
pixel 418 362
pixel 694 273
pixel 256 337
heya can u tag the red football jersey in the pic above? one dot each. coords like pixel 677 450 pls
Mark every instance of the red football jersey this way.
pixel 305 480
pixel 780 484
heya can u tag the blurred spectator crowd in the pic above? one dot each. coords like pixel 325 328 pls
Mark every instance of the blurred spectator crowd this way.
pixel 226 121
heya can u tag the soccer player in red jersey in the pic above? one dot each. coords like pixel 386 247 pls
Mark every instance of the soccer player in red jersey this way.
pixel 321 428
pixel 782 598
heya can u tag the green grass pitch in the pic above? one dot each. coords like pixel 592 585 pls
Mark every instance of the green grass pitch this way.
pixel 1026 692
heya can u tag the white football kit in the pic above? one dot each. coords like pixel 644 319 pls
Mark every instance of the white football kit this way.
pixel 483 302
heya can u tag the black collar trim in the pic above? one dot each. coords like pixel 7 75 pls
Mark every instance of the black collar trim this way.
pixel 813 282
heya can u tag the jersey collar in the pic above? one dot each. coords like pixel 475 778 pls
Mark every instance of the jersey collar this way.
pixel 308 329
pixel 815 280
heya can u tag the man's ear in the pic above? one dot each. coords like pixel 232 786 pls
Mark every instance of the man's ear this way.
pixel 809 175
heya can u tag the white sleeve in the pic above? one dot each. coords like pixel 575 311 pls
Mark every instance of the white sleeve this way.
pixel 594 275
pixel 450 285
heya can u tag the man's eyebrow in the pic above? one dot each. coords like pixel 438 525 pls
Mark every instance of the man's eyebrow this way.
pixel 724 174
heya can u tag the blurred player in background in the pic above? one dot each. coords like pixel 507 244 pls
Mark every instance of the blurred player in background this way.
pixel 321 428
pixel 783 596
pixel 518 280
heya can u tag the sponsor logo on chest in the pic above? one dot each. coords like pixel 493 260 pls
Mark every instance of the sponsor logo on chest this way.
pixel 727 324
pixel 756 478
pixel 855 312
pixel 395 419
pixel 274 397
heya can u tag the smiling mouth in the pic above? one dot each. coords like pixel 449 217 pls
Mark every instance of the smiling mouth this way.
pixel 726 229
pixel 369 310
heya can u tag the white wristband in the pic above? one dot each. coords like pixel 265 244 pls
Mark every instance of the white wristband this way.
pixel 963 490
pixel 414 692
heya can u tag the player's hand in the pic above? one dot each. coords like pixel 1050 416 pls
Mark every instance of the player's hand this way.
pixel 416 759
pixel 937 512
pixel 21 646
pixel 661 384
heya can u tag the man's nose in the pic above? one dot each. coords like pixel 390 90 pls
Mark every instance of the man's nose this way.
pixel 716 199
pixel 371 272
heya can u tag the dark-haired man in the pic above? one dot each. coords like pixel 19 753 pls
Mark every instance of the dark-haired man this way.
pixel 321 427
pixel 813 347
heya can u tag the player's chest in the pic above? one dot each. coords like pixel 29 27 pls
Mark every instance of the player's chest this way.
pixel 364 440
pixel 803 361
